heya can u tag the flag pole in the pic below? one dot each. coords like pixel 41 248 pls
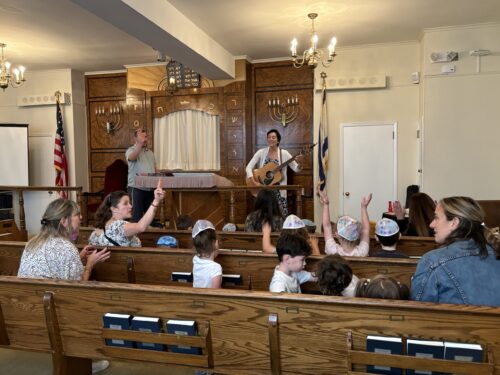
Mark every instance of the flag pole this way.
pixel 58 95
pixel 323 138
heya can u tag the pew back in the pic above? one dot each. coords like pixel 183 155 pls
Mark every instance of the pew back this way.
pixel 310 330
pixel 413 246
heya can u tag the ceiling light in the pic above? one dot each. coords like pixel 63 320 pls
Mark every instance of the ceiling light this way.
pixel 6 77
pixel 312 56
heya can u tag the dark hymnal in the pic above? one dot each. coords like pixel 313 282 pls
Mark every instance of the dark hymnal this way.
pixel 147 324
pixel 184 328
pixel 384 345
pixel 231 280
pixel 182 277
pixel 117 321
pixel 457 351
pixel 424 349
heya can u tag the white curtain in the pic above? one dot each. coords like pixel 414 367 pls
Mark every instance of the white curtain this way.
pixel 187 140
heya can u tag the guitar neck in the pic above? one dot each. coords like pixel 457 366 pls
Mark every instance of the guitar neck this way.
pixel 283 165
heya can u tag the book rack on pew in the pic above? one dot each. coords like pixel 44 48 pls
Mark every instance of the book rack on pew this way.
pixel 203 341
pixel 409 362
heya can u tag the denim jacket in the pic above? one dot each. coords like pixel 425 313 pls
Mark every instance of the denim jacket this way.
pixel 456 274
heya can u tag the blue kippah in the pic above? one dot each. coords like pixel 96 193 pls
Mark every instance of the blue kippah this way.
pixel 167 241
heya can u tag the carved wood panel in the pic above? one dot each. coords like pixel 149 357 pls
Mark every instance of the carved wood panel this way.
pixel 281 74
pixel 298 131
pixel 163 105
pixel 236 168
pixel 101 160
pixel 234 136
pixel 99 137
pixel 234 118
pixel 106 86
pixel 97 183
pixel 235 152
pixel 234 102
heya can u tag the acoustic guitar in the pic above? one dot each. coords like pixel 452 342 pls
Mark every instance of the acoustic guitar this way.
pixel 270 174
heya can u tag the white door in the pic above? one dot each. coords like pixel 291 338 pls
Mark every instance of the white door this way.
pixel 368 166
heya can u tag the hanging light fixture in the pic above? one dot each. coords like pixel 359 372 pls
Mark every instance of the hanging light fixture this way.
pixel 312 56
pixel 6 75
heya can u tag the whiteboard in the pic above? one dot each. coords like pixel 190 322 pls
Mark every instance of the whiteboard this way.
pixel 14 155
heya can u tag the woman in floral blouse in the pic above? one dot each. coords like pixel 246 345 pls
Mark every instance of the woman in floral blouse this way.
pixel 51 254
pixel 112 229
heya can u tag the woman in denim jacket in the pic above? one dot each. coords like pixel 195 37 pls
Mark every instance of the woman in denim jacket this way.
pixel 466 270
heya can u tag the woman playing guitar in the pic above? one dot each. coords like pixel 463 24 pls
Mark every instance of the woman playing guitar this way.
pixel 273 154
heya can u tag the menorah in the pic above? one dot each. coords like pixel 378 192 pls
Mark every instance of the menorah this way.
pixel 109 118
pixel 284 112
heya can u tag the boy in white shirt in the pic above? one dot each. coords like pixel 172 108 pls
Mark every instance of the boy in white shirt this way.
pixel 206 272
pixel 292 251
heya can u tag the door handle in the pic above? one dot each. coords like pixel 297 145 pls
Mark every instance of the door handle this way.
pixel 347 193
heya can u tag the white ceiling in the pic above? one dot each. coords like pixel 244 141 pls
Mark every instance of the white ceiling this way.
pixel 51 34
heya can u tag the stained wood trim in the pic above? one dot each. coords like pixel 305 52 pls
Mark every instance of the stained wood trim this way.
pixel 274 344
pixel 4 337
pixel 131 270
pixel 61 364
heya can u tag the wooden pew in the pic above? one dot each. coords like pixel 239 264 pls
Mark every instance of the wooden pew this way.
pixel 248 332
pixel 155 265
pixel 413 246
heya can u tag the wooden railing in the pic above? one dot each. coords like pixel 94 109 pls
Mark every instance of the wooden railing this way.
pixel 231 190
pixel 21 189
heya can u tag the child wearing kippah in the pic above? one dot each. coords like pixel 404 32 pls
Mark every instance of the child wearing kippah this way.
pixel 293 224
pixel 387 234
pixel 206 272
pixel 352 242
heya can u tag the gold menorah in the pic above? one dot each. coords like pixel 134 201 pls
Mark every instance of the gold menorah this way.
pixel 109 118
pixel 284 112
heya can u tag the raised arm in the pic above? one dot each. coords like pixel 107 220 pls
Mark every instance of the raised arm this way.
pixel 267 246
pixel 365 220
pixel 131 229
pixel 327 225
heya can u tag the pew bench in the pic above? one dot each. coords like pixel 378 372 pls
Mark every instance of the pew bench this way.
pixel 242 332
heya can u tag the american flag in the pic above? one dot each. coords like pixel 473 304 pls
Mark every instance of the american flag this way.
pixel 323 143
pixel 60 163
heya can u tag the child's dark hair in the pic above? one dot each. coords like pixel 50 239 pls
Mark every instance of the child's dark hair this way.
pixel 388 240
pixel 293 245
pixel 334 275
pixel 104 213
pixel 205 242
pixel 184 222
pixel 381 286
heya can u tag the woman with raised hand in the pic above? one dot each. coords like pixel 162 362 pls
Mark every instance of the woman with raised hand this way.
pixel 466 269
pixel 51 254
pixel 112 227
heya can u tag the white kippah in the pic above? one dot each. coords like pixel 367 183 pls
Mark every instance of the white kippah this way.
pixel 200 226
pixel 293 222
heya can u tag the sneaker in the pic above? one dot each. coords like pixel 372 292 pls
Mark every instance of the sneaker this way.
pixel 98 366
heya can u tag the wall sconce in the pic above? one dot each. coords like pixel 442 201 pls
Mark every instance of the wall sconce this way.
pixel 284 112
pixel 109 118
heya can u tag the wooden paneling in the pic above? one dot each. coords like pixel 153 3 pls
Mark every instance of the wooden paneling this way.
pixel 146 78
pixel 281 80
pixel 101 160
pixel 99 137
pixel 206 102
pixel 270 75
pixel 106 86
pixel 97 183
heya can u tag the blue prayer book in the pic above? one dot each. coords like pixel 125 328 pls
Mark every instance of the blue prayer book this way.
pixel 185 328
pixel 424 349
pixel 231 280
pixel 147 324
pixel 118 321
pixel 182 277
pixel 458 351
pixel 384 345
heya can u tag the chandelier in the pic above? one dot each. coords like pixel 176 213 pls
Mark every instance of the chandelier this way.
pixel 5 74
pixel 312 56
